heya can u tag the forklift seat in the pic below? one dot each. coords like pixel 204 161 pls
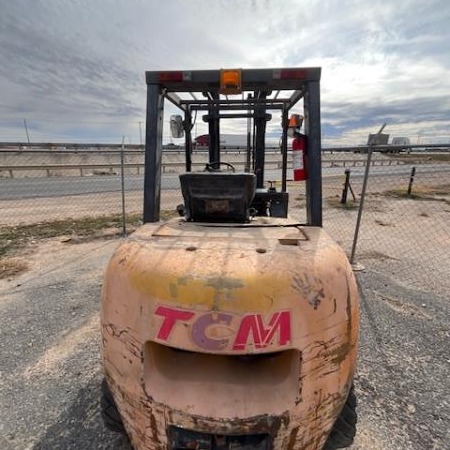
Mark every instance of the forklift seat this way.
pixel 217 196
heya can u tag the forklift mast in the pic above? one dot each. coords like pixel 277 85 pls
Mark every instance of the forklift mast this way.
pixel 253 93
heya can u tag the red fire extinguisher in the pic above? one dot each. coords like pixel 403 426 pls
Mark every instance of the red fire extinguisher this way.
pixel 299 157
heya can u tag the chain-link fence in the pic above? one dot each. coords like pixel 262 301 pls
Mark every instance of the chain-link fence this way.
pixel 44 185
pixel 404 228
pixel 40 185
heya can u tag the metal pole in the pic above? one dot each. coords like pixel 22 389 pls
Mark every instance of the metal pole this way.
pixel 122 176
pixel 363 195
pixel 26 130
pixel 346 186
pixel 411 180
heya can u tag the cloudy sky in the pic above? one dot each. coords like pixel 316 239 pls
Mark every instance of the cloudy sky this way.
pixel 74 70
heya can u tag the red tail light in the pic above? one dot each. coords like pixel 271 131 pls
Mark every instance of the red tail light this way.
pixel 174 76
pixel 291 74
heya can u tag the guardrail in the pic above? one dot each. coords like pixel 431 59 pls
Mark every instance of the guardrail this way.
pixel 108 168
pixel 55 167
pixel 111 148
pixel 114 168
pixel 95 147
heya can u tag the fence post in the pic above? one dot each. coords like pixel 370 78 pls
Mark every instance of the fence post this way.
pixel 361 205
pixel 411 180
pixel 363 195
pixel 346 185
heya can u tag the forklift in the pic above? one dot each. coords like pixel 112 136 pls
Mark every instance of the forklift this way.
pixel 233 325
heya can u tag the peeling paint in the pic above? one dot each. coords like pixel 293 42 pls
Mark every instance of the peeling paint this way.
pixel 154 428
pixel 173 289
pixel 292 438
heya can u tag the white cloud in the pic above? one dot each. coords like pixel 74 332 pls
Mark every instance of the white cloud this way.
pixel 77 61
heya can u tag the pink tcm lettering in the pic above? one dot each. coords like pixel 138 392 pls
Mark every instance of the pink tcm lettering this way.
pixel 252 329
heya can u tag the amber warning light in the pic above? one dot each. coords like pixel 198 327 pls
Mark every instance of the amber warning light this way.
pixel 230 81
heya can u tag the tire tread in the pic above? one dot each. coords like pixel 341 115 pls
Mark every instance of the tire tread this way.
pixel 109 412
pixel 344 429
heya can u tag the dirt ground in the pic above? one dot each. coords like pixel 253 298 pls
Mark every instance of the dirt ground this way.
pixel 50 364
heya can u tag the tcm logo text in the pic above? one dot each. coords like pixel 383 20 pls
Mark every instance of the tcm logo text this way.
pixel 219 331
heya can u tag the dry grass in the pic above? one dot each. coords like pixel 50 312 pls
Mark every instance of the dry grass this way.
pixel 335 202
pixel 10 267
pixel 13 239
pixel 422 192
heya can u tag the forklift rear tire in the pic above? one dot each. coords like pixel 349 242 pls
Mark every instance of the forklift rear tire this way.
pixel 343 432
pixel 110 414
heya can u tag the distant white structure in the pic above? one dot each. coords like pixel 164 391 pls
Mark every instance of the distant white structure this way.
pixel 383 139
pixel 400 141
pixel 230 140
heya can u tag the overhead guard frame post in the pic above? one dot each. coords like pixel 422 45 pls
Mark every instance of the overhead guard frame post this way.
pixel 260 144
pixel 284 141
pixel 214 131
pixel 314 162
pixel 188 139
pixel 153 153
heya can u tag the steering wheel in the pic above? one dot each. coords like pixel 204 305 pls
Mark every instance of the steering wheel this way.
pixel 215 166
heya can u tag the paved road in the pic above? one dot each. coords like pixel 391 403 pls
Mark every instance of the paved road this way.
pixel 51 368
pixel 22 188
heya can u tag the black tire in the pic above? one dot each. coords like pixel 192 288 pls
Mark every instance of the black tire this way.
pixel 344 429
pixel 110 414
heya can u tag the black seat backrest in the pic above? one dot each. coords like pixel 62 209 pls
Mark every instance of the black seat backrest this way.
pixel 217 196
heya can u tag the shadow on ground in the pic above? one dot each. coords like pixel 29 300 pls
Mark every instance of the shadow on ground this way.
pixel 81 426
